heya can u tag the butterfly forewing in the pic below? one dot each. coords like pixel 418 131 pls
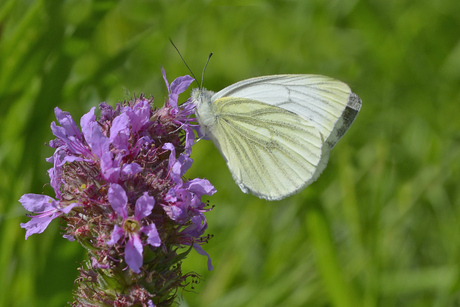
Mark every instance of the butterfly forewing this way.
pixel 271 152
pixel 319 99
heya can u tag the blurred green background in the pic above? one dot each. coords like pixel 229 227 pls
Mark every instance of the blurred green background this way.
pixel 381 225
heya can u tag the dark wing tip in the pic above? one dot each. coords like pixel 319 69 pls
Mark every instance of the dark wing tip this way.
pixel 354 102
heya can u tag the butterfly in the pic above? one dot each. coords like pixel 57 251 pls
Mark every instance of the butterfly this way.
pixel 275 132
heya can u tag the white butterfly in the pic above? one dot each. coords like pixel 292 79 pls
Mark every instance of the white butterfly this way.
pixel 275 132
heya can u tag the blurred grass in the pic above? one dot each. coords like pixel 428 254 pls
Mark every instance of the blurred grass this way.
pixel 379 228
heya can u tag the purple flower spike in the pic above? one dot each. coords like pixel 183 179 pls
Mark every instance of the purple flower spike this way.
pixel 121 192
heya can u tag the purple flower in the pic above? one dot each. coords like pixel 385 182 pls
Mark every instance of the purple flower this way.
pixel 115 169
pixel 139 114
pixel 179 166
pixel 182 114
pixel 177 87
pixel 70 142
pixel 46 208
pixel 119 133
pixel 132 226
pixel 96 140
pixel 184 199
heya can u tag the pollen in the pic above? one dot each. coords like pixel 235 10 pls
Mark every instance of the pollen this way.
pixel 131 226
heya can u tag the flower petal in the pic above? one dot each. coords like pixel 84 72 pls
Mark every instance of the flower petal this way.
pixel 87 120
pixel 185 164
pixel 144 206
pixel 178 166
pixel 92 132
pixel 67 122
pixel 133 253
pixel 201 251
pixel 189 138
pixel 106 112
pixel 117 233
pixel 38 224
pixel 37 203
pixel 119 132
pixel 110 168
pixel 140 115
pixel 200 187
pixel 180 84
pixel 163 72
pixel 69 237
pixel 130 170
pixel 197 227
pixel 68 208
pixel 172 156
pixel 153 238
pixel 177 87
pixel 58 131
pixel 118 199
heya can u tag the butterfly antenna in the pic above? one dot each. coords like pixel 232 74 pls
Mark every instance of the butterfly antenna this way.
pixel 180 127
pixel 197 140
pixel 202 74
pixel 191 72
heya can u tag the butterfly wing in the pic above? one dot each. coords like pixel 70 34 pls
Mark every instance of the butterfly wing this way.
pixel 271 152
pixel 326 103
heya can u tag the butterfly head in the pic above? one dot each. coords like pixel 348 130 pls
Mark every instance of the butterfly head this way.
pixel 200 95
pixel 202 99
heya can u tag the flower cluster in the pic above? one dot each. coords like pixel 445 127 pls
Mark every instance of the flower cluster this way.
pixel 121 193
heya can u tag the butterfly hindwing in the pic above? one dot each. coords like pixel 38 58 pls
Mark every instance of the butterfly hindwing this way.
pixel 271 152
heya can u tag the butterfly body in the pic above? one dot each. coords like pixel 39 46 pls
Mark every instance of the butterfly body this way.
pixel 204 111
pixel 275 132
